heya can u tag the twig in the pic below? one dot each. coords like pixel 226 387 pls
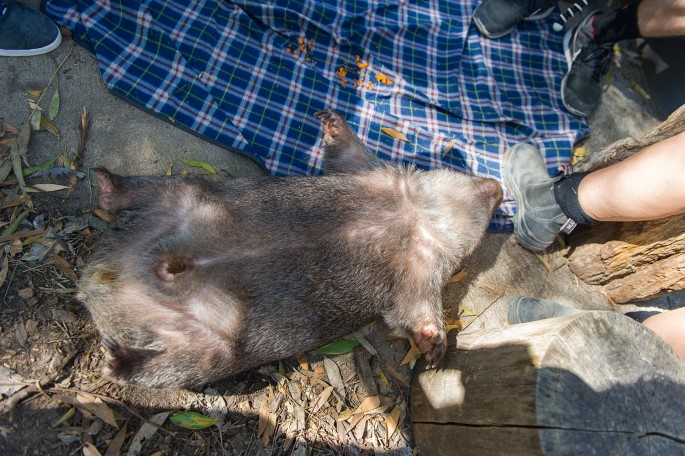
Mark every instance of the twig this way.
pixel 40 98
pixel 501 293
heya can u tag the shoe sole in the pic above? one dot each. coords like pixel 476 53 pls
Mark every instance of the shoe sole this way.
pixel 31 52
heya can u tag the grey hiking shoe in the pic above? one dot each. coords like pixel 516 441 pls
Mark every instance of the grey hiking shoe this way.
pixel 538 219
pixel 525 309
pixel 588 61
pixel 25 31
pixel 496 18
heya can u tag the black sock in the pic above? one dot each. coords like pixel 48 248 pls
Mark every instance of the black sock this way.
pixel 641 315
pixel 615 25
pixel 566 194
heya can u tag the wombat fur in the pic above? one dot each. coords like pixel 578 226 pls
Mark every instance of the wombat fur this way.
pixel 200 278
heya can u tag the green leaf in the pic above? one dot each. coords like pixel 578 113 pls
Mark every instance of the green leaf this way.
pixel 53 109
pixel 14 225
pixel 338 347
pixel 192 420
pixel 41 167
pixel 199 164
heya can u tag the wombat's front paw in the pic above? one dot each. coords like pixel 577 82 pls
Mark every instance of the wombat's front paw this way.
pixel 432 341
pixel 333 124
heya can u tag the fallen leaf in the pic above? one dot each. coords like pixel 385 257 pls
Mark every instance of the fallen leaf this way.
pixel 369 403
pixel 34 169
pixel 65 267
pixel 448 148
pixel 413 353
pixel 199 164
pixel 146 431
pixel 12 227
pixel 322 399
pixel 263 417
pixel 49 187
pixel 394 133
pixel 53 108
pixel 114 447
pixel 49 126
pixel 68 414
pixel 3 272
pixel 90 450
pixel 192 420
pixel 34 93
pixel 338 347
pixel 301 357
pixel 97 407
pixel 392 420
pixel 458 277
pixel 35 119
pixel 270 428
pixel 102 214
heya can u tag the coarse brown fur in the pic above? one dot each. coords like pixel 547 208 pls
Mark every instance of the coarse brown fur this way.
pixel 201 278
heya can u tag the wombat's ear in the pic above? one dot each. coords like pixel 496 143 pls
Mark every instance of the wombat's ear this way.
pixel 113 194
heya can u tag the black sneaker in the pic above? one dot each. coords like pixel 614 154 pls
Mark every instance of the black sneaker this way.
pixel 525 309
pixel 25 31
pixel 496 18
pixel 588 61
pixel 538 219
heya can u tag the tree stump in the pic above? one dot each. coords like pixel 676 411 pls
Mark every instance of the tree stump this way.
pixel 637 260
pixel 591 383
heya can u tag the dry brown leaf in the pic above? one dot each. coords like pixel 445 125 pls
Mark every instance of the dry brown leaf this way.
pixel 114 447
pixel 146 431
pixel 102 214
pixel 5 268
pixel 448 147
pixel 263 417
pixel 65 267
pixel 413 353
pixel 394 134
pixel 90 450
pixel 97 407
pixel 322 399
pixel 458 277
pixel 270 428
pixel 369 403
pixel 392 420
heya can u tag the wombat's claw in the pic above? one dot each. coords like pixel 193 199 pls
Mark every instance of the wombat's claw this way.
pixel 432 341
pixel 333 124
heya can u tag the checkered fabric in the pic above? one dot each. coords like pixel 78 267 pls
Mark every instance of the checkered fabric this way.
pixel 248 75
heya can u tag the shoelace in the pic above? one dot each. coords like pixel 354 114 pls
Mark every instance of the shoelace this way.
pixel 569 14
pixel 594 60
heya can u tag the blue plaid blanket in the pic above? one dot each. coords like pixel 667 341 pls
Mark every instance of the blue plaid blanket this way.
pixel 248 75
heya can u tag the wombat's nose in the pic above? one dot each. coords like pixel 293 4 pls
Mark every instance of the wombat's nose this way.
pixel 491 189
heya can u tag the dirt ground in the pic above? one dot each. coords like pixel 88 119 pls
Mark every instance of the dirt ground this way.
pixel 55 402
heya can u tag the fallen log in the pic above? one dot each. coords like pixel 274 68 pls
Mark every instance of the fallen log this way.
pixel 637 260
pixel 592 383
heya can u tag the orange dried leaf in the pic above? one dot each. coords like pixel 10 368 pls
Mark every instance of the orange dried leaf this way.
pixel 448 148
pixel 413 353
pixel 103 215
pixel 458 277
pixel 65 267
pixel 394 133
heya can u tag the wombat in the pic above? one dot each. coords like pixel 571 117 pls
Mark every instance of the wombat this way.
pixel 200 278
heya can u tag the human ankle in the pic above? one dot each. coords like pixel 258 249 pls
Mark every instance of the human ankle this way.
pixel 566 195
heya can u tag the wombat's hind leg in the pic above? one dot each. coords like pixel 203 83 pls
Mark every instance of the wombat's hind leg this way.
pixel 345 153
pixel 432 341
